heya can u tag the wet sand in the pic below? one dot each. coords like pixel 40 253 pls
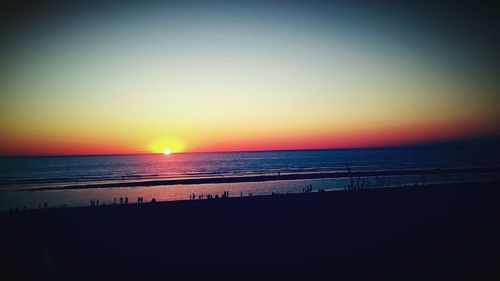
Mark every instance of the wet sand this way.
pixel 447 232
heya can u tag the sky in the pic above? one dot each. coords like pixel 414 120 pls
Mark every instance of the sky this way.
pixel 140 77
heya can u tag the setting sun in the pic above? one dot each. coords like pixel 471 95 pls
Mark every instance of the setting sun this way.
pixel 166 145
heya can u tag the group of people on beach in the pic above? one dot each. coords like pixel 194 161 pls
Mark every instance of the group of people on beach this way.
pixel 225 194
pixel 307 189
pixel 140 199
pixel 122 200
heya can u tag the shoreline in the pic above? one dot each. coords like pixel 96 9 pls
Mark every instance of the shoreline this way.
pixel 262 178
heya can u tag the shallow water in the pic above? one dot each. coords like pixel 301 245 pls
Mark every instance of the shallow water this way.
pixel 20 173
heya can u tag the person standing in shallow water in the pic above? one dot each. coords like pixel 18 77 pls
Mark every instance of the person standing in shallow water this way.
pixel 126 200
pixel 121 200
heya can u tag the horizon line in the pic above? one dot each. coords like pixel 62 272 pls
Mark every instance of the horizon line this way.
pixel 195 152
pixel 414 145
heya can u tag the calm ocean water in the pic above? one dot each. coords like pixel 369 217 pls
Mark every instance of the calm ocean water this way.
pixel 18 174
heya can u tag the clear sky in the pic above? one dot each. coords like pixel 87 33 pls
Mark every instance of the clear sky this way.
pixel 220 76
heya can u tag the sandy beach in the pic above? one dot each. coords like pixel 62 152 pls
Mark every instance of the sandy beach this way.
pixel 421 232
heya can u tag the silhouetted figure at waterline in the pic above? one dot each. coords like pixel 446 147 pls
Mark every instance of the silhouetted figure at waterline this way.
pixel 121 200
pixel 126 200
pixel 140 199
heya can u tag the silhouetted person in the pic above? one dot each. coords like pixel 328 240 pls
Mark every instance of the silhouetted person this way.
pixel 97 202
pixel 121 200
pixel 45 205
pixel 126 200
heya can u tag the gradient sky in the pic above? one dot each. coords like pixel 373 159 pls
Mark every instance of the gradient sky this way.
pixel 89 78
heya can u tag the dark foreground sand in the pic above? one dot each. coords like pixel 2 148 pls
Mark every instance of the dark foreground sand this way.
pixel 445 232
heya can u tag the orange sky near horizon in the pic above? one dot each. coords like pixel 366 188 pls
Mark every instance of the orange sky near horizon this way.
pixel 373 137
pixel 238 77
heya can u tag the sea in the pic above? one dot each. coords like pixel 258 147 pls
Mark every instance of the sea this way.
pixel 42 182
